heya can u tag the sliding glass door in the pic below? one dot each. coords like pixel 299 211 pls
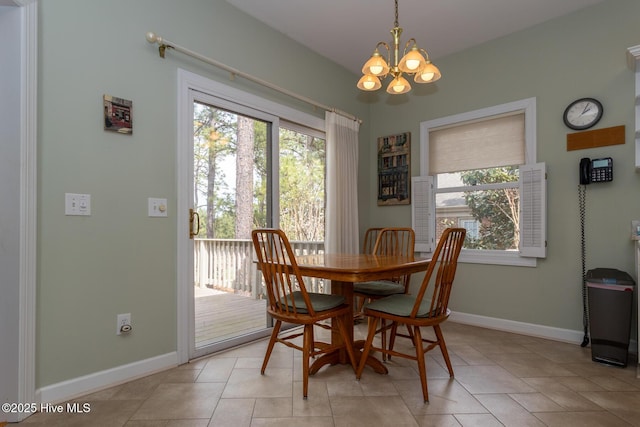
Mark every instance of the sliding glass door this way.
pixel 249 170
pixel 230 152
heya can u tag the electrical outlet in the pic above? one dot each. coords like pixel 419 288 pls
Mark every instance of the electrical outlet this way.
pixel 124 324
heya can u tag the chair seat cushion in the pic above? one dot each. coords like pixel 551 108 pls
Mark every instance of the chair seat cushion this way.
pixel 319 302
pixel 399 305
pixel 378 288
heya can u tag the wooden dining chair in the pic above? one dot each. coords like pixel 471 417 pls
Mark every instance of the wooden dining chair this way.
pixel 289 301
pixel 390 241
pixel 415 311
pixel 370 239
pixel 368 246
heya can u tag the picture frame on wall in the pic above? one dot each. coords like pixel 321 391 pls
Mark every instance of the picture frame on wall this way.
pixel 394 169
pixel 117 114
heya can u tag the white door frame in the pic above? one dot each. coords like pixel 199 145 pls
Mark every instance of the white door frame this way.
pixel 28 199
pixel 189 81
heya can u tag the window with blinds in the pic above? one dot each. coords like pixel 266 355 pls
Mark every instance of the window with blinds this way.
pixel 492 142
pixel 476 164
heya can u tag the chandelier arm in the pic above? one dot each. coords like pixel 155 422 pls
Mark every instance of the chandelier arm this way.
pixel 406 45
pixel 386 46
pixel 426 55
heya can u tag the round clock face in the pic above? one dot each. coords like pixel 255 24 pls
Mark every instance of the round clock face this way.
pixel 583 113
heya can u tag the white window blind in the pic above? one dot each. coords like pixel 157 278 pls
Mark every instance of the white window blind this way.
pixel 494 142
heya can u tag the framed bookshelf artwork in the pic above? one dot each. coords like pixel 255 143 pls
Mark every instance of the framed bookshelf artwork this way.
pixel 394 169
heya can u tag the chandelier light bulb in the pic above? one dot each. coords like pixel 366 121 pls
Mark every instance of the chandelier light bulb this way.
pixel 412 61
pixel 412 64
pixel 376 69
pixel 398 86
pixel 376 65
pixel 428 74
pixel 369 82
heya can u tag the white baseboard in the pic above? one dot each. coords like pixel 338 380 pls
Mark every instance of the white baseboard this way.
pixel 531 329
pixel 540 331
pixel 65 390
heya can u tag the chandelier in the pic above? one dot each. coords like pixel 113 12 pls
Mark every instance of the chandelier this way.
pixel 414 62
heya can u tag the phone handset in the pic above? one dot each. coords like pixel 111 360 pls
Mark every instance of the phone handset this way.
pixel 596 170
pixel 585 171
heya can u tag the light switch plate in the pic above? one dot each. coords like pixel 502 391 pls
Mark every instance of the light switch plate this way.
pixel 157 207
pixel 77 204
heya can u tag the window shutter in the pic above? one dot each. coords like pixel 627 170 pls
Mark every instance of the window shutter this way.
pixel 423 215
pixel 533 205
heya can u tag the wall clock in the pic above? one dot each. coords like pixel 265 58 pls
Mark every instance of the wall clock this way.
pixel 582 113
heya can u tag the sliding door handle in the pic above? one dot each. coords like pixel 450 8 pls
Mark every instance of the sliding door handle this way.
pixel 193 218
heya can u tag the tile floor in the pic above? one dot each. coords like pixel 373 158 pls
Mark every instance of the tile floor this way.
pixel 500 379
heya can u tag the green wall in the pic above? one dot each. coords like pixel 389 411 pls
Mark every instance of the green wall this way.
pixel 120 261
pixel 580 55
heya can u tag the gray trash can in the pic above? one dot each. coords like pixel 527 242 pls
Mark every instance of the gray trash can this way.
pixel 610 295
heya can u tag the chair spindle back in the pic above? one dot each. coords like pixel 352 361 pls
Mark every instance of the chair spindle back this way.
pixel 370 239
pixel 442 270
pixel 281 273
pixel 396 241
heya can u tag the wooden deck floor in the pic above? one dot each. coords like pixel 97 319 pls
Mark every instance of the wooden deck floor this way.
pixel 222 316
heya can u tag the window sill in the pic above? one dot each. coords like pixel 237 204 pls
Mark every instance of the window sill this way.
pixel 512 258
pixel 496 258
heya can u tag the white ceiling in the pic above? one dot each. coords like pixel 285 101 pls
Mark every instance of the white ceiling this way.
pixel 346 31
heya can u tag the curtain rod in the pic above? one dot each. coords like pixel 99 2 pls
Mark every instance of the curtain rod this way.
pixel 163 44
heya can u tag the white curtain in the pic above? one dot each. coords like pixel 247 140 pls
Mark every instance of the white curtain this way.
pixel 342 233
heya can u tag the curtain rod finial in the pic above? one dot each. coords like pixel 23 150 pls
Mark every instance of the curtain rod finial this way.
pixel 151 37
pixel 154 38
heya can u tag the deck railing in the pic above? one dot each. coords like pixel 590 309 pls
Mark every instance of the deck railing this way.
pixel 228 265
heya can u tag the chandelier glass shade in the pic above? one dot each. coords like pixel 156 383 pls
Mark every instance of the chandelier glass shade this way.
pixel 414 62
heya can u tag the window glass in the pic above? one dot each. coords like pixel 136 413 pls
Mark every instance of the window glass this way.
pixel 302 185
pixel 230 176
pixel 471 225
pixel 229 172
pixel 493 212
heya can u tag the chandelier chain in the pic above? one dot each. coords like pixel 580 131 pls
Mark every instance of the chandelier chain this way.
pixel 396 21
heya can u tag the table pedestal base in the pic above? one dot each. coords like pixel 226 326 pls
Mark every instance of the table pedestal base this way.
pixel 336 357
pixel 344 270
pixel 340 356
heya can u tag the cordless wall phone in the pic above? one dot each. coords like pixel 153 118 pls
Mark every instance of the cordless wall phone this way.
pixel 596 170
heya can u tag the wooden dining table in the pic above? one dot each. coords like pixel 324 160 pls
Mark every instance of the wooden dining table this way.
pixel 343 270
